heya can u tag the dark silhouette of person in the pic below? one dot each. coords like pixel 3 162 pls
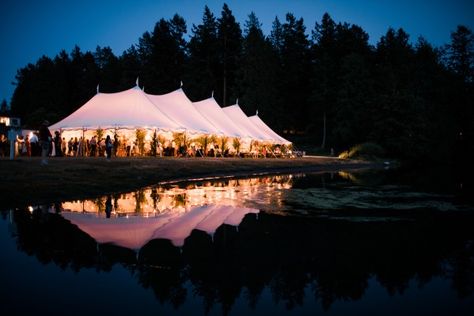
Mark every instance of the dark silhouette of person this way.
pixel 108 206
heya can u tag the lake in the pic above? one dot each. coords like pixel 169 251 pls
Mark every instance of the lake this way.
pixel 380 242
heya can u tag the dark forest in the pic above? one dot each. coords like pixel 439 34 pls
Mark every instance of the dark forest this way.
pixel 322 88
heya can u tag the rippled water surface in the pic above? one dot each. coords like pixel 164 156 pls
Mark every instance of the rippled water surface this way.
pixel 364 243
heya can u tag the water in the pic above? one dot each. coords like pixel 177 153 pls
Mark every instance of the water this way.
pixel 364 243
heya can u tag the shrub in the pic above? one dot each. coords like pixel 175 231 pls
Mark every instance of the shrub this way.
pixel 363 151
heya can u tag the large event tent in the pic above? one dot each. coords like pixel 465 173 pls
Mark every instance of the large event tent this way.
pixel 127 109
pixel 235 113
pixel 257 121
pixel 180 109
pixel 214 113
pixel 133 109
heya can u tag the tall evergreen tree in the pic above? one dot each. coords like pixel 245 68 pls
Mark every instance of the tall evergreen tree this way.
pixel 324 79
pixel 460 56
pixel 276 36
pixel 109 69
pixel 398 124
pixel 295 76
pixel 163 56
pixel 4 107
pixel 257 77
pixel 202 66
pixel 353 110
pixel 229 37
pixel 130 67
pixel 461 53
pixel 84 78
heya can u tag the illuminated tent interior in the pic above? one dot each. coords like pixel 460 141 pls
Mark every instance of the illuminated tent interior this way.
pixel 124 112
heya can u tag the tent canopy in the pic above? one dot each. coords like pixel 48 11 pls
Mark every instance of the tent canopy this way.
pixel 180 109
pixel 214 113
pixel 257 121
pixel 126 109
pixel 132 108
pixel 235 113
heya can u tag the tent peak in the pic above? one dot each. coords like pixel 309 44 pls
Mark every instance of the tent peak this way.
pixel 137 82
pixel 97 88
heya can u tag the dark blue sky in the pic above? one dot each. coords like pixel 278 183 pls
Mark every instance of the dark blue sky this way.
pixel 30 29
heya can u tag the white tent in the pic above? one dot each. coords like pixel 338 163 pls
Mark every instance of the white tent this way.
pixel 214 113
pixel 257 121
pixel 132 109
pixel 127 109
pixel 235 113
pixel 180 109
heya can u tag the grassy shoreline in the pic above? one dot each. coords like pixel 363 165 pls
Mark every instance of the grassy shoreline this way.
pixel 25 182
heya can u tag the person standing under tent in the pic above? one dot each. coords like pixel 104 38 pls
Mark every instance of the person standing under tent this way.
pixel 108 147
pixel 45 139
pixel 69 146
pixel 93 145
pixel 57 144
pixel 34 144
pixel 28 146
pixel 64 147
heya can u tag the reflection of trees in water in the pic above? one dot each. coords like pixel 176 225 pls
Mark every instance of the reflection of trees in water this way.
pixel 49 237
pixel 288 255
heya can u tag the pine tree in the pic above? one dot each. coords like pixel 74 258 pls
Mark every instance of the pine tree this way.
pixel 460 56
pixel 257 76
pixel 163 56
pixel 109 69
pixel 130 66
pixel 276 36
pixel 229 37
pixel 296 70
pixel 202 66
pixel 461 53
pixel 4 107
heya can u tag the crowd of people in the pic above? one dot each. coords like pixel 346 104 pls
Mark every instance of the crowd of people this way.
pixel 44 144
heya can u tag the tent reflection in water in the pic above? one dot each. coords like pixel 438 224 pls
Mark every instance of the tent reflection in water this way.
pixel 134 232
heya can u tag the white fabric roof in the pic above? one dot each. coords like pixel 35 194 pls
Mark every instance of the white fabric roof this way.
pixel 214 113
pixel 235 113
pixel 126 109
pixel 180 109
pixel 257 121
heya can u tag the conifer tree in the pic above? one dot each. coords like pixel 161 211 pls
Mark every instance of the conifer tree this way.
pixel 257 77
pixel 202 66
pixel 229 38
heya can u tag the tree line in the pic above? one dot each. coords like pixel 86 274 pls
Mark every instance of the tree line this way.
pixel 329 89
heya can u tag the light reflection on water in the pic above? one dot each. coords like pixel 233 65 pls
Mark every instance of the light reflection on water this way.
pixel 173 211
pixel 295 244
